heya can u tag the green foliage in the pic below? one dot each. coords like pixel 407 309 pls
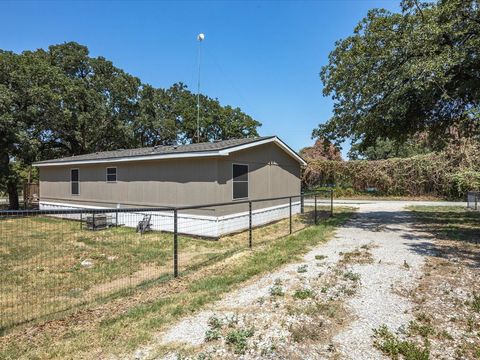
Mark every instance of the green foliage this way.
pixel 215 323
pixel 402 74
pixel 63 102
pixel 386 149
pixel 302 268
pixel 277 289
pixel 450 173
pixel 303 294
pixel 238 339
pixel 350 275
pixel 476 302
pixel 392 346
pixel 211 335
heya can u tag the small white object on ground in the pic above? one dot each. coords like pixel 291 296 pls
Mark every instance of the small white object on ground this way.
pixel 87 263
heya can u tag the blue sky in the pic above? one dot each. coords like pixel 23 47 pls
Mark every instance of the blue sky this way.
pixel 264 57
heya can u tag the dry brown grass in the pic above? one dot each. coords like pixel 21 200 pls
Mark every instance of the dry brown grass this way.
pixel 41 270
pixel 358 256
pixel 445 296
pixel 126 319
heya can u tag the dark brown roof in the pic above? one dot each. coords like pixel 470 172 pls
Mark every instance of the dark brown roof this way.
pixel 158 150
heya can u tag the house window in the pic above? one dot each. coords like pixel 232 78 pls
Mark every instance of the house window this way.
pixel 74 181
pixel 112 174
pixel 240 181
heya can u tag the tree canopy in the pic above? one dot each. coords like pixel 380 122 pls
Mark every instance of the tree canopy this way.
pixel 407 73
pixel 62 102
pixel 321 150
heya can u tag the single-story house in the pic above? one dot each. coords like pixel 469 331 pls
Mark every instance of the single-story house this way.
pixel 180 175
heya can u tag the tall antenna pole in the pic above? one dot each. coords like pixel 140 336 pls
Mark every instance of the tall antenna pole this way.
pixel 200 38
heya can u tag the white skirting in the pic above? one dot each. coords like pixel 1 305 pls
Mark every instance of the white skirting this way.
pixel 190 224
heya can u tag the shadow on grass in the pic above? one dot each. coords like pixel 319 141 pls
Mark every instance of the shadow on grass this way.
pixel 448 232
pixel 455 229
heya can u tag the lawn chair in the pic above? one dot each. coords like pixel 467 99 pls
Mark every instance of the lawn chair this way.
pixel 144 225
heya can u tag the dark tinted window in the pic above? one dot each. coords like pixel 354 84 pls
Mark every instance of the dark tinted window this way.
pixel 240 190
pixel 240 172
pixel 111 174
pixel 75 189
pixel 240 181
pixel 74 176
pixel 74 179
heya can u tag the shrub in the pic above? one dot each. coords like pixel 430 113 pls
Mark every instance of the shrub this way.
pixel 476 302
pixel 449 174
pixel 211 335
pixel 238 339
pixel 277 289
pixel 302 269
pixel 350 275
pixel 391 345
pixel 303 294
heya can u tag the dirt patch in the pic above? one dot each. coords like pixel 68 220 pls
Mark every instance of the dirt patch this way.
pixel 361 255
pixel 148 272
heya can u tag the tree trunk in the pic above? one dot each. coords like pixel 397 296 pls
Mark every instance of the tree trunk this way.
pixel 10 181
pixel 12 195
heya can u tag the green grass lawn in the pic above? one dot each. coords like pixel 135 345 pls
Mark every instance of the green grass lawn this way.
pixel 126 322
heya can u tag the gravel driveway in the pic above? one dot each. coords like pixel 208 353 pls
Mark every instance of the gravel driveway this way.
pixel 384 231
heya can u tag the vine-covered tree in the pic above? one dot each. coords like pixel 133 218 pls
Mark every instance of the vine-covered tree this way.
pixel 402 74
pixel 321 150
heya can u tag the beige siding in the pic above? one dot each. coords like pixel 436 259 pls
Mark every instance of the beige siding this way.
pixel 272 173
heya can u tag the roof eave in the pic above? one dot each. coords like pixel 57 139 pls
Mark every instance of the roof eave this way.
pixel 223 152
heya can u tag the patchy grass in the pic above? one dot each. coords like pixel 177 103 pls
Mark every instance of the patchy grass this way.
pixel 392 346
pixel 277 289
pixel 211 335
pixel 304 294
pixel 42 262
pixel 302 269
pixel 358 256
pixel 350 275
pixel 127 321
pixel 447 305
pixel 303 331
pixel 453 223
pixel 238 339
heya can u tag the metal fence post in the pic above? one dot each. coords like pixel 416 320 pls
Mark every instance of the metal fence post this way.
pixel 93 222
pixel 175 243
pixel 316 221
pixel 302 203
pixel 116 218
pixel 331 202
pixel 290 214
pixel 250 224
pixel 81 221
pixel 476 201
